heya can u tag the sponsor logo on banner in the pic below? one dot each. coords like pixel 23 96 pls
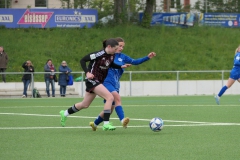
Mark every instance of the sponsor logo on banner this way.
pixel 35 18
pixel 235 23
pixel 6 18
pixel 76 17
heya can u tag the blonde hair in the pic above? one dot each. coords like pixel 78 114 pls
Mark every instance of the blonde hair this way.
pixel 29 62
pixel 237 49
pixel 64 62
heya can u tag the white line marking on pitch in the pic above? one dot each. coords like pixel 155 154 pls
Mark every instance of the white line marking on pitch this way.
pixel 190 123
pixel 144 126
pixel 134 119
pixel 152 105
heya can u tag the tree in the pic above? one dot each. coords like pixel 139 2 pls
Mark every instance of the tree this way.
pixel 80 3
pixel 128 10
pixel 147 15
pixel 118 10
pixel 218 6
pixel 104 7
pixel 5 3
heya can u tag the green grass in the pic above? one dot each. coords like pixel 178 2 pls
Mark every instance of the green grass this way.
pixel 194 48
pixel 194 128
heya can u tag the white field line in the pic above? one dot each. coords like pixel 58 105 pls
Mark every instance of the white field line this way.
pixel 143 126
pixel 190 123
pixel 134 119
pixel 152 105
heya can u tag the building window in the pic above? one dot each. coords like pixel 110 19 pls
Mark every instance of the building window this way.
pixel 40 3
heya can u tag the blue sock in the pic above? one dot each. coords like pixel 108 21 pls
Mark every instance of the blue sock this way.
pixel 120 112
pixel 98 120
pixel 224 88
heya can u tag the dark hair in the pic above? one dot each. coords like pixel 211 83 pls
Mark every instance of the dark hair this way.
pixel 48 60
pixel 112 42
pixel 119 39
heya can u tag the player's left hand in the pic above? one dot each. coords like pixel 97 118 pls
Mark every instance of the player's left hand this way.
pixel 151 54
pixel 126 65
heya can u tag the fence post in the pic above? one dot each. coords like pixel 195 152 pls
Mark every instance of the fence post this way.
pixel 222 78
pixel 82 84
pixel 32 79
pixel 177 83
pixel 130 82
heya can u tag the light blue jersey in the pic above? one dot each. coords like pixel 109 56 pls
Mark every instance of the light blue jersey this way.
pixel 112 81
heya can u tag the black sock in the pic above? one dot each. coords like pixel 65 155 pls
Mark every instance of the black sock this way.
pixel 72 109
pixel 106 115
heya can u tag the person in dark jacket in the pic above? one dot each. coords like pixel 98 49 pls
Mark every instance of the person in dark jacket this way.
pixel 49 77
pixel 63 78
pixel 3 63
pixel 28 67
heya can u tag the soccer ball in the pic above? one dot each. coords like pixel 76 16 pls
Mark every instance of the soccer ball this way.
pixel 156 124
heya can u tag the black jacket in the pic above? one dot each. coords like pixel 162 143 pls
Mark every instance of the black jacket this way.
pixel 27 69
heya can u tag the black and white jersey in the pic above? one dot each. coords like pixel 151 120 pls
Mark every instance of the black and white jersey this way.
pixel 99 63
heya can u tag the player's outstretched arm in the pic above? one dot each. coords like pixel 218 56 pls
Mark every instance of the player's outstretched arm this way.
pixel 138 61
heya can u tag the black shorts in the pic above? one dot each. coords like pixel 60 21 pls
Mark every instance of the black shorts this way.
pixel 91 84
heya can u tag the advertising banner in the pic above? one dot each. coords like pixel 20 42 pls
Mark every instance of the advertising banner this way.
pixel 219 19
pixel 48 18
pixel 191 19
pixel 171 19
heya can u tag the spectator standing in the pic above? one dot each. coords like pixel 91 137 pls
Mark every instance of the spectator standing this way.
pixel 49 77
pixel 63 77
pixel 3 63
pixel 28 67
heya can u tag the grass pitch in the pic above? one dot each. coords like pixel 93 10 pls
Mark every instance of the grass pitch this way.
pixel 194 128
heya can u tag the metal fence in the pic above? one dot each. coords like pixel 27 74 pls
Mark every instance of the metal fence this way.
pixel 130 73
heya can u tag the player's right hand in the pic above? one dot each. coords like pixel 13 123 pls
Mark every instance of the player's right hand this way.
pixel 151 54
pixel 89 75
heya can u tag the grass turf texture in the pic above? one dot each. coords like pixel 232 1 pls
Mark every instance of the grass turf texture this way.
pixel 194 128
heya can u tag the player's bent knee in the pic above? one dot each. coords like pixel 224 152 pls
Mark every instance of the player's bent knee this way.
pixel 110 98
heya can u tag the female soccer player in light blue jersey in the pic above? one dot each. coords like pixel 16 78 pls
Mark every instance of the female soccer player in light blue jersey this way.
pixel 234 75
pixel 112 83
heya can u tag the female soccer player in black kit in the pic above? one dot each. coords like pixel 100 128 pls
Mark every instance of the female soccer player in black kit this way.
pixel 96 72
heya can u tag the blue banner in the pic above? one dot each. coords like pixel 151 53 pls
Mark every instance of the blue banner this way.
pixel 48 18
pixel 191 19
pixel 219 19
pixel 171 19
